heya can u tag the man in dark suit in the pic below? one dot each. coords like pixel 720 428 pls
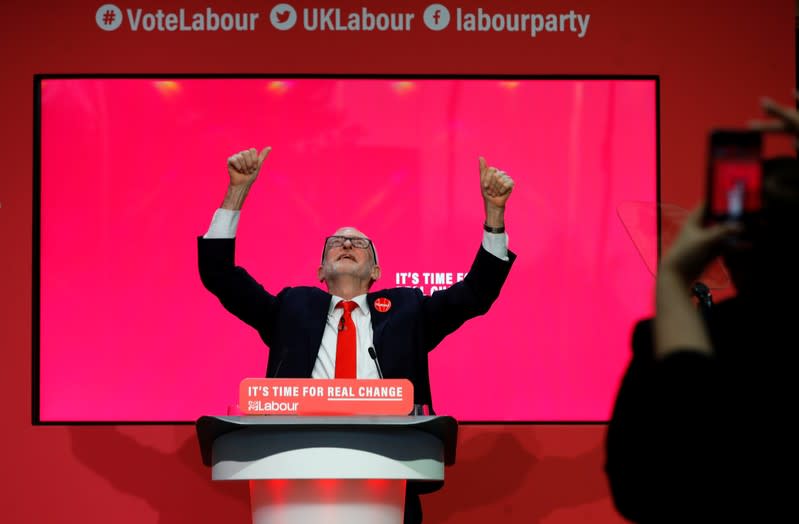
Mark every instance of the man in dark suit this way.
pixel 301 324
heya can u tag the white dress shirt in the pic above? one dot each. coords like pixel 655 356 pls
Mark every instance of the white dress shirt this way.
pixel 325 366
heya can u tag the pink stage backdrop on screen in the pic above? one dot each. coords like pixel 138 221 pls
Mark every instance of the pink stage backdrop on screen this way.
pixel 133 169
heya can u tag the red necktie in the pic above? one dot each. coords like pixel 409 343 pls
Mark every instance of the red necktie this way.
pixel 346 343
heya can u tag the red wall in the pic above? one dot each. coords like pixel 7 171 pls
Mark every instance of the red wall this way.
pixel 714 60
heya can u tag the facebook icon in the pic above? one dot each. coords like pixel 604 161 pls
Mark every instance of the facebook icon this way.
pixel 436 17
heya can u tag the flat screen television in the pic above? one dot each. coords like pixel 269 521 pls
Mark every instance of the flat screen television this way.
pixel 130 170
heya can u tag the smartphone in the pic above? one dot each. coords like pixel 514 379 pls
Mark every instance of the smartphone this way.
pixel 735 175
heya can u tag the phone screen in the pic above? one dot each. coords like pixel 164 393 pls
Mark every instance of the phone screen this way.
pixel 735 175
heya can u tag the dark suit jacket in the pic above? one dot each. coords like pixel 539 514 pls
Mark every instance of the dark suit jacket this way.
pixel 292 322
pixel 694 438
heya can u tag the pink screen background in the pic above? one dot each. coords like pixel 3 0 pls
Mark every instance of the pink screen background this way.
pixel 133 169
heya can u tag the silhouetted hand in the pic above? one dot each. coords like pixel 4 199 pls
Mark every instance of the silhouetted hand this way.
pixel 785 119
pixel 696 246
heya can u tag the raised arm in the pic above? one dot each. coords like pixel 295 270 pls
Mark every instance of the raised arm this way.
pixel 495 187
pixel 448 309
pixel 678 323
pixel 238 292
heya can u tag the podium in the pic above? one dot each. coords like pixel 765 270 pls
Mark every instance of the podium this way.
pixel 328 469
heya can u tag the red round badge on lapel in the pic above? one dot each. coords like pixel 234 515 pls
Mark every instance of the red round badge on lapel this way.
pixel 382 304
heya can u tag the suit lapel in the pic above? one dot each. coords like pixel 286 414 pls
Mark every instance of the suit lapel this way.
pixel 317 316
pixel 380 319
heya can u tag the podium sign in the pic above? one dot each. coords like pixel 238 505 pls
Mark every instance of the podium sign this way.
pixel 292 396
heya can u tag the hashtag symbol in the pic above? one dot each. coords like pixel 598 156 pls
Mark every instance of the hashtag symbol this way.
pixel 108 17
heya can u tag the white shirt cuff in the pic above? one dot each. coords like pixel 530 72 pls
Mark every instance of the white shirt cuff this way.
pixel 496 244
pixel 224 224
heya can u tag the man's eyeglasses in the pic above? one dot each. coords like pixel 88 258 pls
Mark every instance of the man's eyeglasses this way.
pixel 356 242
pixel 338 241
